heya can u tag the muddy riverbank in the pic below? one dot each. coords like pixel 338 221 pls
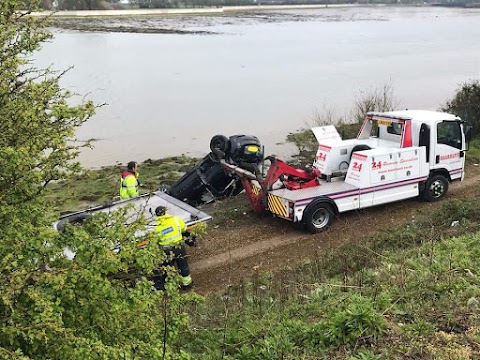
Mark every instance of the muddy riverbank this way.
pixel 174 21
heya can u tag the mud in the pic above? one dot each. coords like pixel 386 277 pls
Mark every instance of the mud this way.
pixel 120 25
pixel 203 24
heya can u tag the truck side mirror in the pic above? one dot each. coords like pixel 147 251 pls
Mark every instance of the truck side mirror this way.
pixel 468 131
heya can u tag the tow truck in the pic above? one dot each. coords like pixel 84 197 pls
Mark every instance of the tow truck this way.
pixel 396 155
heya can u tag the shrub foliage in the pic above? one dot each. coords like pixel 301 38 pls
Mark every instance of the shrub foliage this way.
pixel 52 307
pixel 466 104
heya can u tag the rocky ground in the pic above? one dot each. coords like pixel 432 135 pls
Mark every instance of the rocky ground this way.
pixel 240 243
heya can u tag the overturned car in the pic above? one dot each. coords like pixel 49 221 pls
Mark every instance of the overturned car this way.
pixel 209 180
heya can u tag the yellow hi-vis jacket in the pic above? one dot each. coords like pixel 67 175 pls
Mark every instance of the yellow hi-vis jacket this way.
pixel 170 228
pixel 128 186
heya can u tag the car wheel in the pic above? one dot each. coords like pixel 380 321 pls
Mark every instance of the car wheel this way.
pixel 219 143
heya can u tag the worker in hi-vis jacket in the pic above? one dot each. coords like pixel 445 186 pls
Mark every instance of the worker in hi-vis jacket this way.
pixel 171 230
pixel 129 182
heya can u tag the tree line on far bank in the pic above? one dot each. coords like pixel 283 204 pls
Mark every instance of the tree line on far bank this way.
pixel 156 4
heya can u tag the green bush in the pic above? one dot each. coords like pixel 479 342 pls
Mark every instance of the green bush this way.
pixel 473 154
pixel 364 355
pixel 354 320
pixel 466 104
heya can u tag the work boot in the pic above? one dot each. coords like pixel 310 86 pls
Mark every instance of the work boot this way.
pixel 186 287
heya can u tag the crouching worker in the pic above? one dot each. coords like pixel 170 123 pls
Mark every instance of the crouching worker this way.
pixel 171 230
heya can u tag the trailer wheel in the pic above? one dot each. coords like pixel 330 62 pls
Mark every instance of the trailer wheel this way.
pixel 436 188
pixel 318 217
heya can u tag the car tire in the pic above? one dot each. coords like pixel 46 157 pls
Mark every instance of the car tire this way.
pixel 219 143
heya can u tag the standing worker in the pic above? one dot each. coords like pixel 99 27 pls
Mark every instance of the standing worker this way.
pixel 170 230
pixel 129 182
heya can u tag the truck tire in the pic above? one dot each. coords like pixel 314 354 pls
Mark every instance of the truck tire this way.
pixel 435 188
pixel 318 217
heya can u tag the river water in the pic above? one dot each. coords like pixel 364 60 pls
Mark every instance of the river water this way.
pixel 262 74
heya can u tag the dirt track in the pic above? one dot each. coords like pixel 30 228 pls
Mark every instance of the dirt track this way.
pixel 240 245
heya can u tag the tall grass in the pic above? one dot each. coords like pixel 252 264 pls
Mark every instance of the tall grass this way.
pixel 410 292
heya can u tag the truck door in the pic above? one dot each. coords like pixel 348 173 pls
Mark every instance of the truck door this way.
pixel 449 152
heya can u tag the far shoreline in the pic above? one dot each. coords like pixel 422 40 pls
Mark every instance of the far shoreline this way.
pixel 188 11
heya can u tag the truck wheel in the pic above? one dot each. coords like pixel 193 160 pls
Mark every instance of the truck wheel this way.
pixel 318 218
pixel 435 188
